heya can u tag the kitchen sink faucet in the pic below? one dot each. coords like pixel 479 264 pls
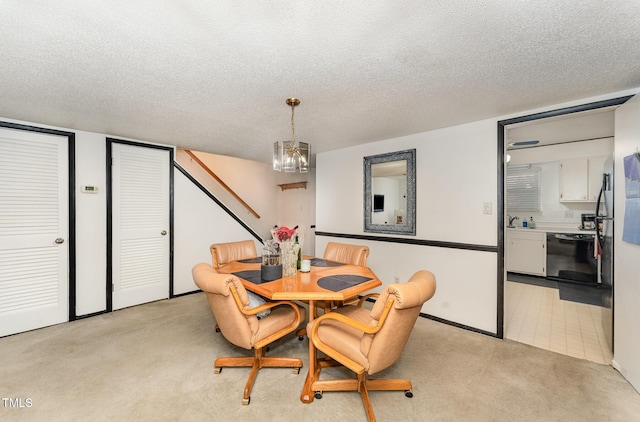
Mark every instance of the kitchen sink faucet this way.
pixel 511 220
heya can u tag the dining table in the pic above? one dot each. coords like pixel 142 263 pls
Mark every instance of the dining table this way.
pixel 326 281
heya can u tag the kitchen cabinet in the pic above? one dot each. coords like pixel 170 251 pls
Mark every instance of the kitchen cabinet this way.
pixel 526 252
pixel 596 168
pixel 580 179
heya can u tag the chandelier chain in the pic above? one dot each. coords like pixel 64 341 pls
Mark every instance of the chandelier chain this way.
pixel 293 130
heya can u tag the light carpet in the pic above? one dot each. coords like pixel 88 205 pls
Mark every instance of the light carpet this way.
pixel 154 362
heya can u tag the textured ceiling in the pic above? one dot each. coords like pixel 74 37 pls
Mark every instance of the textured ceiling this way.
pixel 214 75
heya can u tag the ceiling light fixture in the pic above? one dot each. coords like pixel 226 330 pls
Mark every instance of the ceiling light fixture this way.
pixel 288 155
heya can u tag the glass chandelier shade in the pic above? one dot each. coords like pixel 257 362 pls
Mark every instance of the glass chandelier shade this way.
pixel 289 156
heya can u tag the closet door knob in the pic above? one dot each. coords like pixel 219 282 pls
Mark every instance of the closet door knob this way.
pixel 163 232
pixel 59 240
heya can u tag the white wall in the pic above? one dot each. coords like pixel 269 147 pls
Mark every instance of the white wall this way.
pixel 198 223
pixel 91 217
pixel 298 207
pixel 626 255
pixel 455 175
pixel 255 183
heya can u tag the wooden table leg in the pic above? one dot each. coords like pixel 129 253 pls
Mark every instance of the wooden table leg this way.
pixel 312 373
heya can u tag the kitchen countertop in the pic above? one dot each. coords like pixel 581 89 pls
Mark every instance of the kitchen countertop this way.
pixel 554 229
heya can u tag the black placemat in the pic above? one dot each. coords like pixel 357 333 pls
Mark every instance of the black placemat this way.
pixel 335 283
pixel 319 262
pixel 253 276
pixel 256 260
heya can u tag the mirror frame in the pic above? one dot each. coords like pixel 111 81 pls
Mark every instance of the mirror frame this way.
pixel 409 227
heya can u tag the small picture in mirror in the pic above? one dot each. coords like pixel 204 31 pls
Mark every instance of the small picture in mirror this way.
pixel 378 203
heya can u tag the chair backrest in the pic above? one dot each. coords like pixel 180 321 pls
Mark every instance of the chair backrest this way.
pixel 223 253
pixel 385 347
pixel 236 327
pixel 347 254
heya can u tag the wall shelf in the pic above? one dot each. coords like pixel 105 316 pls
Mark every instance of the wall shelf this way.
pixel 296 185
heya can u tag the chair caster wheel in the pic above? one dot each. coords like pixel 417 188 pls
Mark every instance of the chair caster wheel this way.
pixel 300 338
pixel 408 393
pixel 296 371
pixel 318 395
pixel 245 402
pixel 217 370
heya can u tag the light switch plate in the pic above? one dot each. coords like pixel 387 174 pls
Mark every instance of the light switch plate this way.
pixel 487 208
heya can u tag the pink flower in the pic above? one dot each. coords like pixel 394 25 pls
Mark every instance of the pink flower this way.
pixel 283 233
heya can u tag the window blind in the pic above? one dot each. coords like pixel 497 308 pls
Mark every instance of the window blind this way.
pixel 523 189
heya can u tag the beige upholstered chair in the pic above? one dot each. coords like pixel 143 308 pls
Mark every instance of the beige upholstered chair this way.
pixel 239 325
pixel 223 253
pixel 347 254
pixel 369 341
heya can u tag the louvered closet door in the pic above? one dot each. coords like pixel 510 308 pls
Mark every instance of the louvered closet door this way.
pixel 34 286
pixel 140 264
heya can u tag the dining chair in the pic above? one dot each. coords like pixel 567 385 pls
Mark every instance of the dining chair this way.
pixel 239 325
pixel 369 341
pixel 223 253
pixel 346 253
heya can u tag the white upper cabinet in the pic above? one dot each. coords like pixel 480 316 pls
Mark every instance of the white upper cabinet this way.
pixel 596 168
pixel 580 179
pixel 574 179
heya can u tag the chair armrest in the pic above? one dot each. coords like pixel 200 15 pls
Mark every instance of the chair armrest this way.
pixel 367 329
pixel 365 297
pixel 268 305
pixel 264 306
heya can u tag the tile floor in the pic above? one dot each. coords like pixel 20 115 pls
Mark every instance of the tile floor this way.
pixel 535 315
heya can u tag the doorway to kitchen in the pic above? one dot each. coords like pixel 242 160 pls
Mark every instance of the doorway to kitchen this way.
pixel 571 318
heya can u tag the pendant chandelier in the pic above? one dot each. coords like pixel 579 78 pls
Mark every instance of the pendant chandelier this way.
pixel 289 155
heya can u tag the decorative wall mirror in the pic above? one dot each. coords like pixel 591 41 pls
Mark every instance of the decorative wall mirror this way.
pixel 390 193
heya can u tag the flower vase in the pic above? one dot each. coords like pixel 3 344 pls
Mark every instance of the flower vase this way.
pixel 271 268
pixel 289 256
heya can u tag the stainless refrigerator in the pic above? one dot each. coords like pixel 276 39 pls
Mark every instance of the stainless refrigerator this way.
pixel 604 240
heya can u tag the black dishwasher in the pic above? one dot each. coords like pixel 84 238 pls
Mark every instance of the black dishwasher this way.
pixel 570 257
